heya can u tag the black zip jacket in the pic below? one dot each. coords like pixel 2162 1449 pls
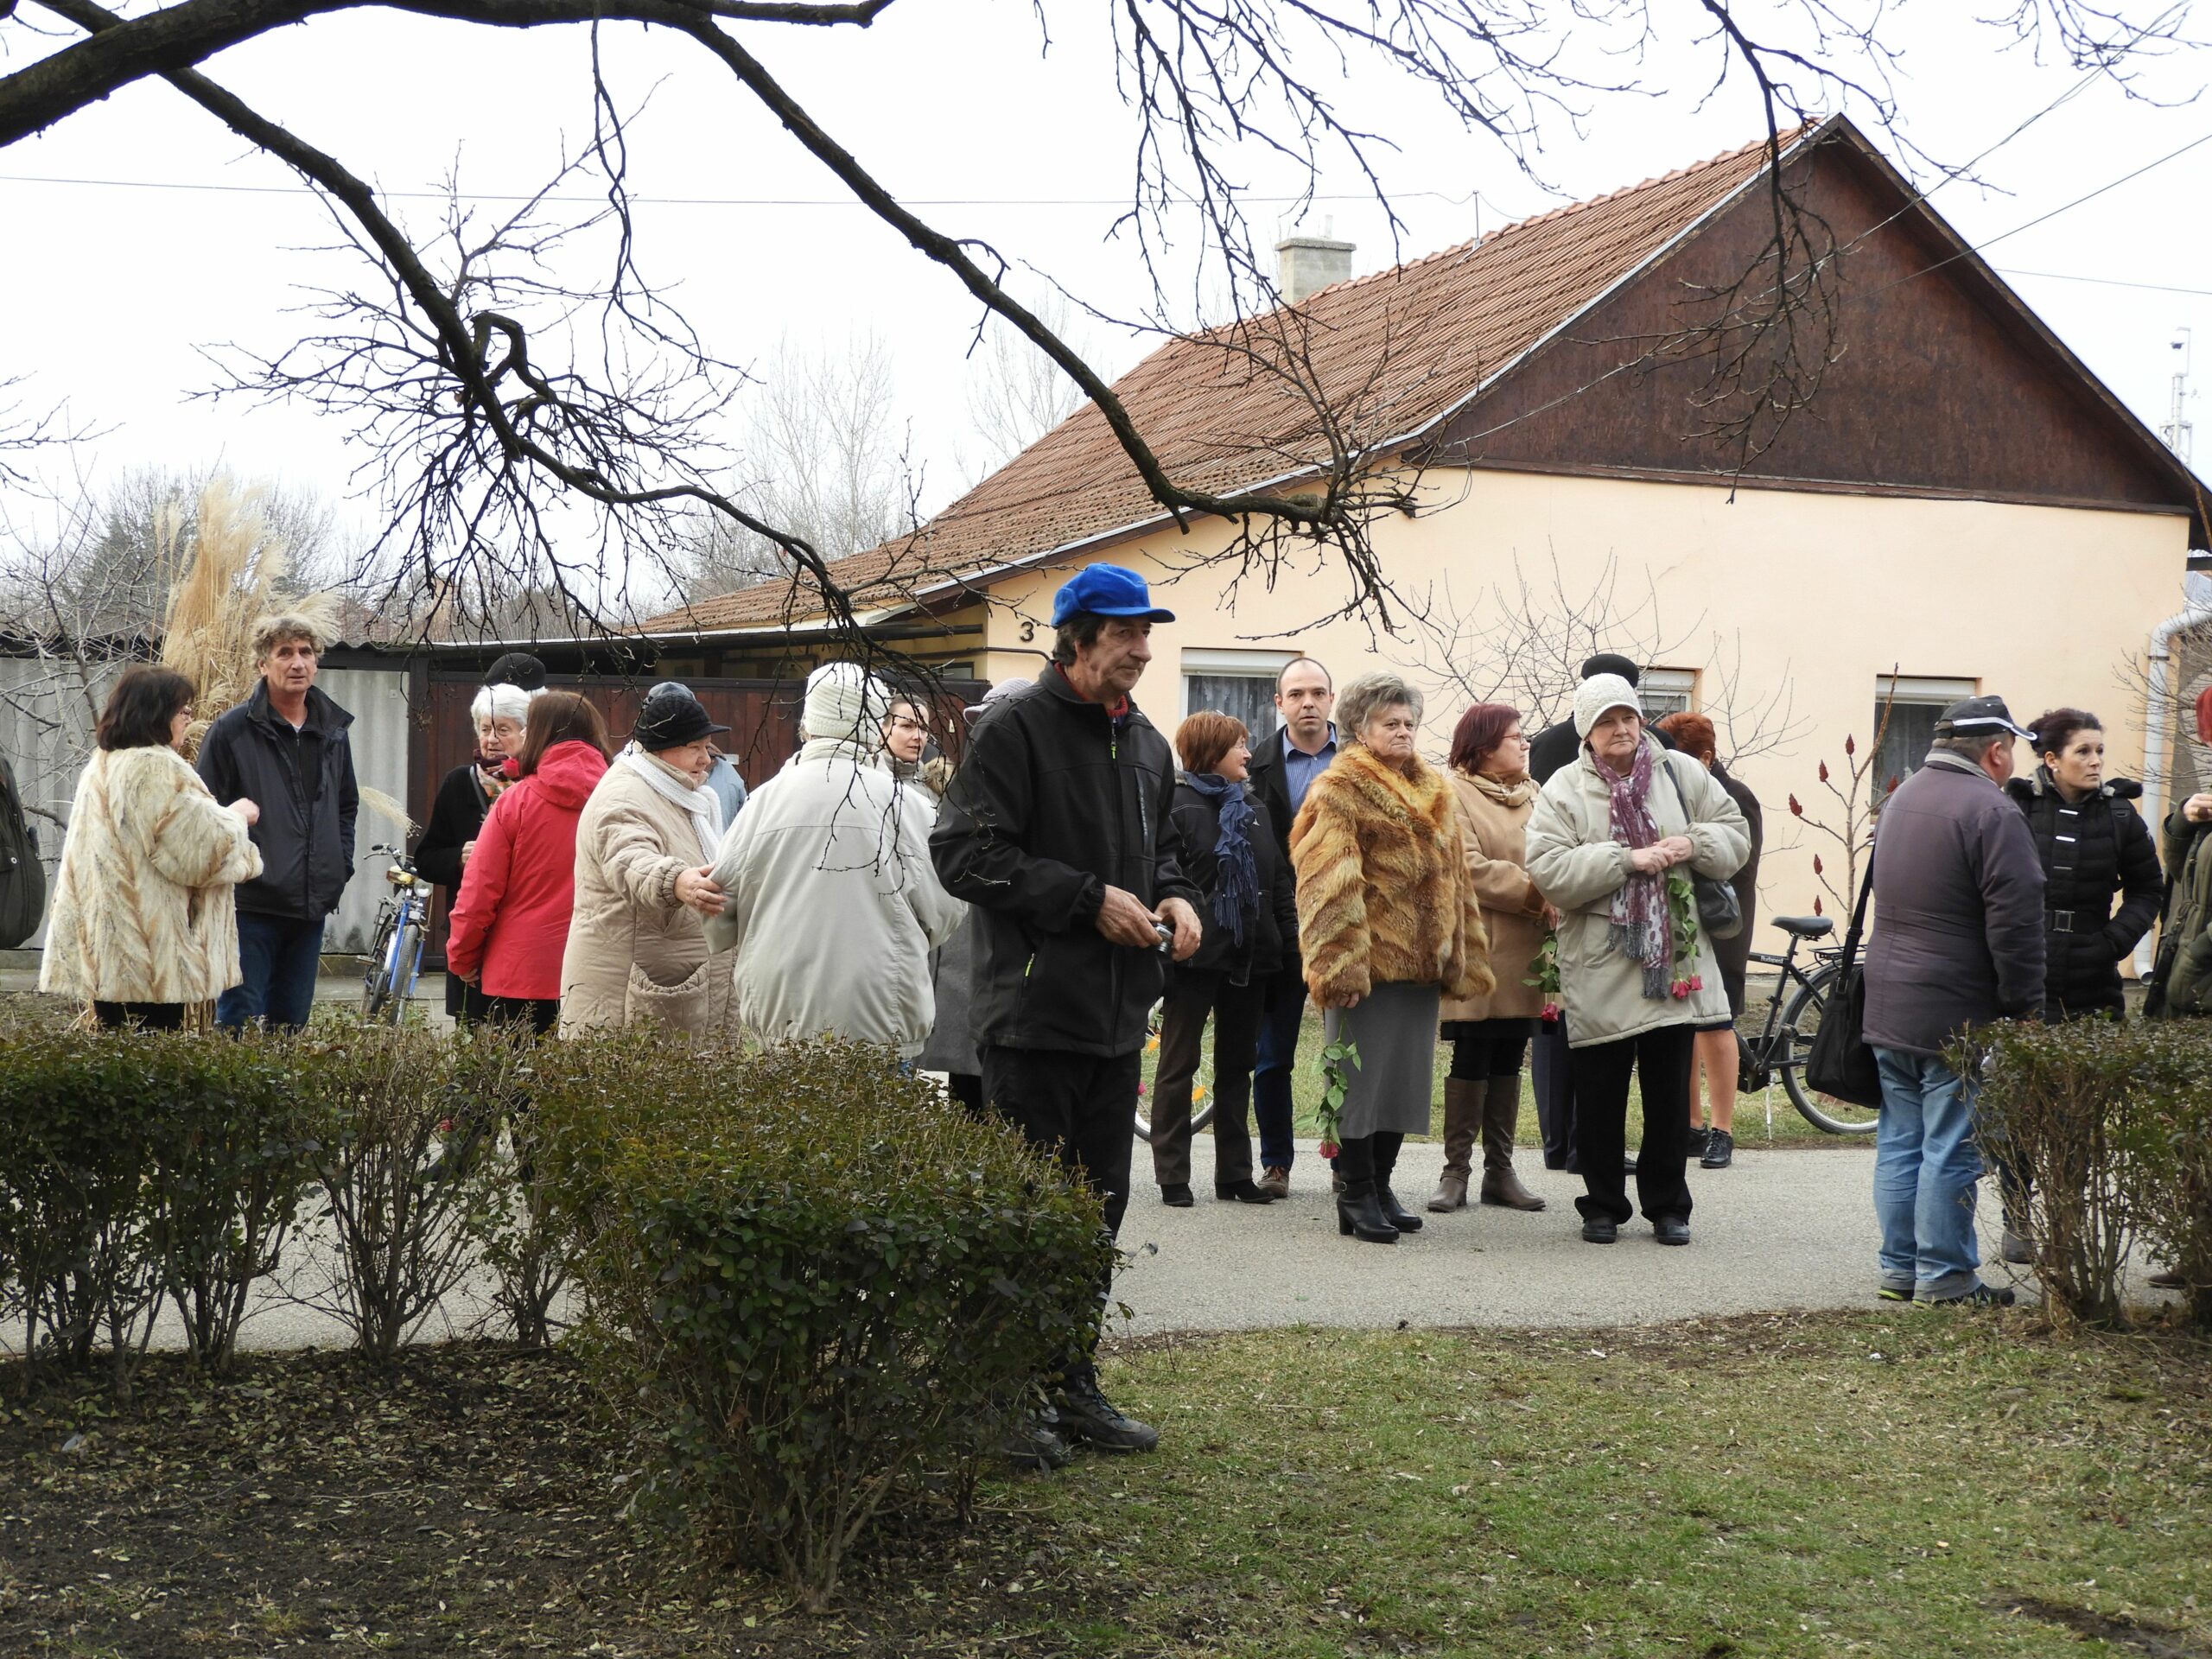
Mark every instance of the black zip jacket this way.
pixel 1053 805
pixel 303 783
pixel 2091 850
pixel 1261 953
pixel 457 816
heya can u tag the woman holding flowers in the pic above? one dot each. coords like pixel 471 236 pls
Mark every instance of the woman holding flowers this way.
pixel 1387 926
pixel 1490 1034
pixel 1614 842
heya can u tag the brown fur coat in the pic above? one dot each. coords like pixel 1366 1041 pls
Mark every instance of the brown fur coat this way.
pixel 1382 890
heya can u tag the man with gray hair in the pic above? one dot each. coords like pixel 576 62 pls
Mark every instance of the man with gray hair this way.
pixel 285 747
pixel 1958 890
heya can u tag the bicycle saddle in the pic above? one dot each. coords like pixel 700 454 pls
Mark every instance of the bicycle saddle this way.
pixel 1806 927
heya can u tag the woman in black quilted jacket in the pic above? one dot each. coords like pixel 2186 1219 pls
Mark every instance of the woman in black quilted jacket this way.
pixel 2094 847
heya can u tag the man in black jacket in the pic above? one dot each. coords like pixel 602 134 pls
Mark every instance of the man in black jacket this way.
pixel 285 747
pixel 1056 829
pixel 1284 764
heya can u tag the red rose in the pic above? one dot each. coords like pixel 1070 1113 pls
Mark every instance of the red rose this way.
pixel 1329 1148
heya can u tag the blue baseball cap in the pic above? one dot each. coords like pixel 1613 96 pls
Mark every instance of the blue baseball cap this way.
pixel 1106 590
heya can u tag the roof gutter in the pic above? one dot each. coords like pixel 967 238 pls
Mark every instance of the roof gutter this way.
pixel 2195 614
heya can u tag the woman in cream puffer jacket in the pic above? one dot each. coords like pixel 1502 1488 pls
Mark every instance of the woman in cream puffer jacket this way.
pixel 143 926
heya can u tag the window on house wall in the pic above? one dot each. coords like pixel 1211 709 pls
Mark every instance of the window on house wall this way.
pixel 1239 682
pixel 1667 691
pixel 1913 710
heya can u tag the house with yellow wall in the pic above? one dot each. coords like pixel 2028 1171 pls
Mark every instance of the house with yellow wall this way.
pixel 1814 520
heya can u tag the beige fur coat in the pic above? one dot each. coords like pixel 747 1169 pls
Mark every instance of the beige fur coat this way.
pixel 142 910
pixel 1382 891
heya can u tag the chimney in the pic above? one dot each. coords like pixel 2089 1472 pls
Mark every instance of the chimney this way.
pixel 1305 264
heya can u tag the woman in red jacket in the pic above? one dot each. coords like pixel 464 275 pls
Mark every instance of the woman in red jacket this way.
pixel 509 921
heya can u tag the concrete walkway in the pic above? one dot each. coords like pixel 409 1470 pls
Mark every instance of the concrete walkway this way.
pixel 1780 1229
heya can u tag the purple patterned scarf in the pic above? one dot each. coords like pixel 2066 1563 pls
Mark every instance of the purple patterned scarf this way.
pixel 1641 929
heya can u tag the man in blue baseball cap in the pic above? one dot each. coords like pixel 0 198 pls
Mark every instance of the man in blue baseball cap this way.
pixel 1056 829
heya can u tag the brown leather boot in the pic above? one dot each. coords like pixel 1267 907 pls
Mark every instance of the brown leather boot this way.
pixel 1463 1117
pixel 1501 1116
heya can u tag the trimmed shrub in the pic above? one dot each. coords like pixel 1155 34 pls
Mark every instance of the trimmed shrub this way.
pixel 140 1166
pixel 2109 1123
pixel 824 1291
pixel 515 1237
pixel 402 1169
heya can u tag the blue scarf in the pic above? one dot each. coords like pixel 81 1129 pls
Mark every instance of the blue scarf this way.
pixel 1236 895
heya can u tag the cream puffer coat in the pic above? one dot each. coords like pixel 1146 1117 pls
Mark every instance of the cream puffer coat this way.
pixel 1494 824
pixel 835 909
pixel 634 951
pixel 143 907
pixel 1580 867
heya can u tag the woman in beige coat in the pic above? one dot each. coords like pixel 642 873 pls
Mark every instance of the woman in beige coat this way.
pixel 1609 833
pixel 1494 795
pixel 637 943
pixel 143 925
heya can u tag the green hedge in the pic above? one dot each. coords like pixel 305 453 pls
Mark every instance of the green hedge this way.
pixel 827 1291
pixel 2113 1125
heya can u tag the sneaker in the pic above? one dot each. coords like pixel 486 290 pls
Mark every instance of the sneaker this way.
pixel 1275 1183
pixel 1891 1293
pixel 1979 1296
pixel 1177 1198
pixel 1698 1140
pixel 1670 1229
pixel 1087 1415
pixel 1719 1150
pixel 2015 1248
pixel 1601 1229
pixel 1032 1444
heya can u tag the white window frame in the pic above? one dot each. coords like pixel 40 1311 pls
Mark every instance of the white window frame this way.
pixel 1228 664
pixel 1671 682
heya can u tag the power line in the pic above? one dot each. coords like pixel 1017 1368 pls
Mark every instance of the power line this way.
pixel 685 201
pixel 2104 281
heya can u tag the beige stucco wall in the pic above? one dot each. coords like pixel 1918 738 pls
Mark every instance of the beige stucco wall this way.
pixel 1824 593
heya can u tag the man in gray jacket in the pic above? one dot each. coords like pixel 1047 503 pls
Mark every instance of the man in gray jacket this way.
pixel 1958 943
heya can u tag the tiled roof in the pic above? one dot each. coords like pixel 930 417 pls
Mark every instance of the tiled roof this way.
pixel 1230 408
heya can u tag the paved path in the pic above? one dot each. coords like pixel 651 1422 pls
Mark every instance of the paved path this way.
pixel 1781 1229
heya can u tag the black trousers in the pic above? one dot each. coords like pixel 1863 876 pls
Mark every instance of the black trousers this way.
pixel 1478 1054
pixel 1554 1081
pixel 1660 1061
pixel 540 1013
pixel 1082 1109
pixel 147 1016
pixel 1235 1011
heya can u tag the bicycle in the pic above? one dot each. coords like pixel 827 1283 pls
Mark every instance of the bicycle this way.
pixel 1201 1108
pixel 1792 1017
pixel 396 956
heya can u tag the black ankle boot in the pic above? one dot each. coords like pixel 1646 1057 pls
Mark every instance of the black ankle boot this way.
pixel 1360 1215
pixel 1400 1218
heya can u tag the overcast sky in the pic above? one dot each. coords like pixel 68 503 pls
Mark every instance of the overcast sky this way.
pixel 113 290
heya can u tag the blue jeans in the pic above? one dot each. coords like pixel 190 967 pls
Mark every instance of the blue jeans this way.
pixel 1925 1167
pixel 279 957
pixel 1271 1103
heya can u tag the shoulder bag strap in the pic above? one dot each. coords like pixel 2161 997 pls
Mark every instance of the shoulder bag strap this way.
pixel 1859 915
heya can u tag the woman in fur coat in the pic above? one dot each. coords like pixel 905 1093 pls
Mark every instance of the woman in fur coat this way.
pixel 1388 925
pixel 143 925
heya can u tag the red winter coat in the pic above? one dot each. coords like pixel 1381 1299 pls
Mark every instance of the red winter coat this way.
pixel 511 919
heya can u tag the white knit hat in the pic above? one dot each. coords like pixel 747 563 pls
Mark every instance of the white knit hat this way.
pixel 1598 695
pixel 847 704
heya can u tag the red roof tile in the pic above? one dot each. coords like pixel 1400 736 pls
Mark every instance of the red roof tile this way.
pixel 1232 409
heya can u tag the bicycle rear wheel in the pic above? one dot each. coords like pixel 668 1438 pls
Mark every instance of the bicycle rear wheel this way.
pixel 376 986
pixel 1799 1022
pixel 1201 1116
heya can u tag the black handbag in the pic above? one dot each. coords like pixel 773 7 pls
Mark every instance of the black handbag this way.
pixel 1839 1062
pixel 1720 913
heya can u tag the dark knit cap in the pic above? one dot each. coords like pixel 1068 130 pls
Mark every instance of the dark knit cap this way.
pixel 517 668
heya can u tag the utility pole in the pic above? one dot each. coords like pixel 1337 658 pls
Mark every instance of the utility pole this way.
pixel 2177 432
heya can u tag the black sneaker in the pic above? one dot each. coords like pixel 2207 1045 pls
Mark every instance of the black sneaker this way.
pixel 1719 1150
pixel 1670 1229
pixel 1032 1444
pixel 1891 1293
pixel 1177 1198
pixel 1088 1416
pixel 1698 1140
pixel 1979 1296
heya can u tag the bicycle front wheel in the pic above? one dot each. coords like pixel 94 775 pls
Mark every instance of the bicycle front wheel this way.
pixel 377 997
pixel 1201 1114
pixel 1800 1020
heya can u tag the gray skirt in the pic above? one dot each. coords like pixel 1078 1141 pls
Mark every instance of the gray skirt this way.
pixel 1390 1087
